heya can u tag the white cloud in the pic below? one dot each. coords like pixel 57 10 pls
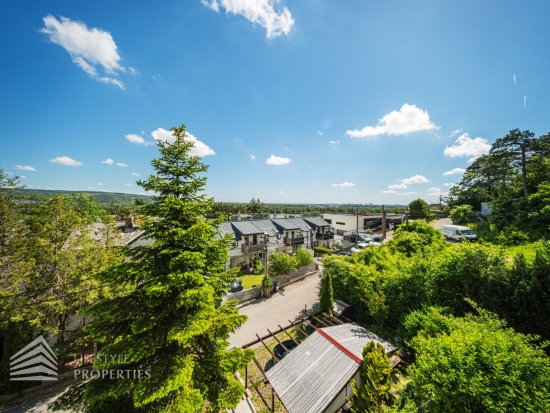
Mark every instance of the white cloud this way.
pixel 455 171
pixel 417 179
pixel 123 165
pixel 89 48
pixel 252 157
pixel 397 186
pixel 238 140
pixel 24 168
pixel 277 160
pixel 65 160
pixel 127 184
pixel 466 146
pixel 319 132
pixel 409 119
pixel 91 187
pixel 433 189
pixel 449 184
pixel 9 173
pixel 200 148
pixel 455 132
pixel 389 191
pixel 281 192
pixel 28 186
pixel 23 177
pixel 344 184
pixel 133 138
pixel 108 161
pixel 259 12
pixel 135 174
pixel 334 142
pixel 408 193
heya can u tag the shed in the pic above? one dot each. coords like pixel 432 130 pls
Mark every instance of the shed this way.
pixel 315 376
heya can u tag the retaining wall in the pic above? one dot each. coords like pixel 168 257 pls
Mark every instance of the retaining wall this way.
pixel 256 292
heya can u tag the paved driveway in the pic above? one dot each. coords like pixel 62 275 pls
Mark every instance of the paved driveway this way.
pixel 278 309
pixel 438 223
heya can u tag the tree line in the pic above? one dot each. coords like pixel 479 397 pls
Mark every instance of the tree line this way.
pixel 474 317
pixel 514 179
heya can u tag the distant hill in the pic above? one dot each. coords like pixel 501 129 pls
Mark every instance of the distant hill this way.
pixel 100 197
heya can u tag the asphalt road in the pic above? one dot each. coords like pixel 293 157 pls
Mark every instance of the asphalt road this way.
pixel 278 309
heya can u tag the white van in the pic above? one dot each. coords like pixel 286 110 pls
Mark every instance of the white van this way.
pixel 458 233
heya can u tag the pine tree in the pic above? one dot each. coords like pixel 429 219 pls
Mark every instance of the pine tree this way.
pixel 171 324
pixel 374 374
pixel 326 300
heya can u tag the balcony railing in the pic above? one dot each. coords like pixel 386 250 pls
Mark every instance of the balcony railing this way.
pixel 294 241
pixel 247 249
pixel 324 236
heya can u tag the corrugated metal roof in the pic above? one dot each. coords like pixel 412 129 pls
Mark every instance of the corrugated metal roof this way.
pixel 226 228
pixel 354 337
pixel 300 222
pixel 316 222
pixel 285 224
pixel 267 226
pixel 309 377
pixel 246 227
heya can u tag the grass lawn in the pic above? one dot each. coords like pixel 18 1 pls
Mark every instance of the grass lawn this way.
pixel 248 281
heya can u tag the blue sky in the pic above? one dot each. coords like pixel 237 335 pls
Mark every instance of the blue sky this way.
pixel 306 101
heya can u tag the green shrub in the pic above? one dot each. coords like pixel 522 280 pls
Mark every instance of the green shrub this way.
pixel 259 268
pixel 321 250
pixel 303 257
pixel 461 214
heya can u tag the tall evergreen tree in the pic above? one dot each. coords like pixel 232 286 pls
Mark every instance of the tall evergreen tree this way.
pixel 374 373
pixel 171 323
pixel 326 299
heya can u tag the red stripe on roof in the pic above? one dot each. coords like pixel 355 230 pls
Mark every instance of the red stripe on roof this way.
pixel 341 347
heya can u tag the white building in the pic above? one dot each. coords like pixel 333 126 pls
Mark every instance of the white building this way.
pixel 346 224
pixel 283 234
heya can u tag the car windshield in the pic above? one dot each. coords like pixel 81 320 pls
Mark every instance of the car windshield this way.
pixel 467 232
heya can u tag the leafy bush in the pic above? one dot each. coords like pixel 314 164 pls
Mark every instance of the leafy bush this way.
pixel 259 268
pixel 281 263
pixel 321 250
pixel 303 257
pixel 475 363
pixel 462 214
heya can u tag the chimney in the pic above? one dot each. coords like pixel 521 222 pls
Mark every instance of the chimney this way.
pixel 274 214
pixel 129 224
pixel 239 215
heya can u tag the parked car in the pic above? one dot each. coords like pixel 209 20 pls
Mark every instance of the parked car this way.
pixel 378 240
pixel 345 253
pixel 459 233
pixel 280 352
pixel 359 238
pixel 359 247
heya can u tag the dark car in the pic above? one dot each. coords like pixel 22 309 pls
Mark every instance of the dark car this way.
pixel 280 352
pixel 359 238
pixel 345 253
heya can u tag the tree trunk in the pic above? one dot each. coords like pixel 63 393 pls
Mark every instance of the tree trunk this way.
pixel 524 172
pixel 60 324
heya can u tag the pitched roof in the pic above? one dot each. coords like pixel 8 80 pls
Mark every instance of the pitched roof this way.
pixel 300 222
pixel 310 376
pixel 316 222
pixel 285 224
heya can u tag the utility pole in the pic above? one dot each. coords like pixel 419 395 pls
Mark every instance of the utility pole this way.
pixel 357 225
pixel 407 216
pixel 383 222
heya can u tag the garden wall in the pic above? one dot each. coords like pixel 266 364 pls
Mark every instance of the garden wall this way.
pixel 256 292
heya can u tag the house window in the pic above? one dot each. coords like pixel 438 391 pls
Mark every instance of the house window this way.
pixel 328 220
pixel 340 232
pixel 340 223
